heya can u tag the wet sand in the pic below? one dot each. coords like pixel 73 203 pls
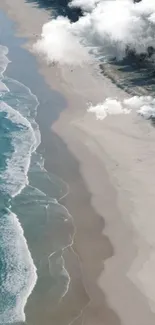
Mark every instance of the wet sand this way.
pixel 108 166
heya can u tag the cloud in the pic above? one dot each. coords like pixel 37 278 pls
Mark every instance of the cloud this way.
pixel 106 29
pixel 112 25
pixel 84 4
pixel 108 107
pixel 143 105
pixel 59 43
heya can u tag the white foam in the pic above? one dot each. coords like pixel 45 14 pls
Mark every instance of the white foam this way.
pixel 3 65
pixel 24 143
pixel 27 104
pixel 3 88
pixel 26 109
pixel 62 271
pixel 19 270
pixel 4 61
pixel 20 273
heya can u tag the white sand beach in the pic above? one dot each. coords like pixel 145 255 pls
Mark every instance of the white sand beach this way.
pixel 116 159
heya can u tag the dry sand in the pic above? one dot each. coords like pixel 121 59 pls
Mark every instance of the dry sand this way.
pixel 116 159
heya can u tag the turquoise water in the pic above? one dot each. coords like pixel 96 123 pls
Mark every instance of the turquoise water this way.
pixel 28 206
pixel 20 137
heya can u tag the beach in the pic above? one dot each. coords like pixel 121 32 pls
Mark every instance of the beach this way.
pixel 107 167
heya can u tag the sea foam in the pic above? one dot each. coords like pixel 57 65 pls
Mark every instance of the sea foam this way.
pixel 24 143
pixel 19 276
pixel 4 61
pixel 18 272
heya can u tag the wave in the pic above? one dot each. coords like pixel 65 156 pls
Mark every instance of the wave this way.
pixel 20 137
pixel 15 178
pixel 18 273
pixel 23 101
pixel 4 61
pixel 19 106
pixel 3 65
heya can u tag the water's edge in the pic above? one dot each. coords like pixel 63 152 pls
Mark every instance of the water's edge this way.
pixel 30 186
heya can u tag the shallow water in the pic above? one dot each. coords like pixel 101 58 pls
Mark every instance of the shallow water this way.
pixel 34 227
pixel 18 141
pixel 33 259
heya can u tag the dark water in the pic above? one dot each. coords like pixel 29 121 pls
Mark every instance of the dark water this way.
pixel 59 7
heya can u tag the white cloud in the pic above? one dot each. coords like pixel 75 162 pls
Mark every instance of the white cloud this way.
pixel 58 43
pixel 113 25
pixel 107 27
pixel 84 4
pixel 143 105
pixel 108 107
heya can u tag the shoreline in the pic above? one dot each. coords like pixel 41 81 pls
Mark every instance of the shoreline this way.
pixel 91 145
pixel 78 295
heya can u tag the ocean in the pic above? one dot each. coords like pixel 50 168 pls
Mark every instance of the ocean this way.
pixel 35 228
